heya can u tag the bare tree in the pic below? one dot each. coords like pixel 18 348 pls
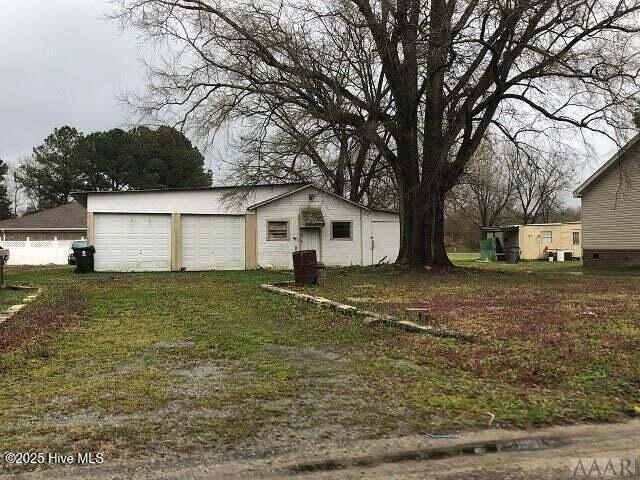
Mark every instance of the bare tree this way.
pixel 539 179
pixel 305 151
pixel 16 194
pixel 440 72
pixel 286 142
pixel 485 191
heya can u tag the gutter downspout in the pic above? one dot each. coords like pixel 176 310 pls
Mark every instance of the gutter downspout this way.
pixel 361 241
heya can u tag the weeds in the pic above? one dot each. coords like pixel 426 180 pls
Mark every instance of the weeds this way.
pixel 139 364
pixel 39 320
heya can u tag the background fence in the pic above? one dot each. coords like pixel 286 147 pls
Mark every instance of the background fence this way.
pixel 37 252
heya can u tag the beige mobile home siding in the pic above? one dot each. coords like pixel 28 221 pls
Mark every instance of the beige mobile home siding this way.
pixel 611 207
pixel 562 239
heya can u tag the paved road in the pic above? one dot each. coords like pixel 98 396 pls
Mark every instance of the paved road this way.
pixel 486 455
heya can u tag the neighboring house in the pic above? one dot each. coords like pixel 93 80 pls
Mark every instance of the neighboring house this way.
pixel 537 240
pixel 44 237
pixel 234 228
pixel 66 222
pixel 611 210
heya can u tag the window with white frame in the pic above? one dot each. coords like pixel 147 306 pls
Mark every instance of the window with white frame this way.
pixel 546 236
pixel 576 238
pixel 341 230
pixel 277 230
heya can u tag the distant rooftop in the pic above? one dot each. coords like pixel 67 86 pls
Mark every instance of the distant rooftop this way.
pixel 69 216
pixel 514 227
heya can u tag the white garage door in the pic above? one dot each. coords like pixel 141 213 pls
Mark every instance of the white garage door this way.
pixel 132 242
pixel 386 241
pixel 212 242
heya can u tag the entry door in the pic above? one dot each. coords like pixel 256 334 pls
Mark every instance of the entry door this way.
pixel 310 240
pixel 385 243
pixel 212 242
pixel 132 242
pixel 576 243
pixel 546 240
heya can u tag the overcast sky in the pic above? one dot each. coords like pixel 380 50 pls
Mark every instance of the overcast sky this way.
pixel 64 64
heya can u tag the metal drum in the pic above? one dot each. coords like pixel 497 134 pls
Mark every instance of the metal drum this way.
pixel 305 267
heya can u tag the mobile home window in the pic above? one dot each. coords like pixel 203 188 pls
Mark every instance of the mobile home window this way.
pixel 277 230
pixel 341 230
pixel 546 236
pixel 576 238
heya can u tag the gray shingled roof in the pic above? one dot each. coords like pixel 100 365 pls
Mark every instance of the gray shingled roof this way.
pixel 68 216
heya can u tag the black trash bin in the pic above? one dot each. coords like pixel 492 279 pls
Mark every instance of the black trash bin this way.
pixel 84 259
pixel 513 255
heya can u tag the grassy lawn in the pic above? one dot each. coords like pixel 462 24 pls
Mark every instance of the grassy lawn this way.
pixel 554 343
pixel 162 363
pixel 11 297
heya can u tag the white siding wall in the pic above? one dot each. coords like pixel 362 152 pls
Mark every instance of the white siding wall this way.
pixel 611 206
pixel 277 254
pixel 334 252
pixel 385 228
pixel 214 201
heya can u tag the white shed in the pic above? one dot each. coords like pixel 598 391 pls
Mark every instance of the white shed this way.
pixel 234 228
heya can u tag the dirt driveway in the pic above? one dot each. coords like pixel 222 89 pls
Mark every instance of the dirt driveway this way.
pixel 551 453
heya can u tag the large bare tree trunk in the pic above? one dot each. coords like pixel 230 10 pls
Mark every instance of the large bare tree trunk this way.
pixel 415 205
pixel 405 219
pixel 343 138
pixel 439 250
pixel 415 231
pixel 419 234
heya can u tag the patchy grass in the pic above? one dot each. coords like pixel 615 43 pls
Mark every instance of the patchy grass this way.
pixel 170 363
pixel 10 297
pixel 29 327
pixel 174 362
pixel 23 276
pixel 555 344
pixel 458 257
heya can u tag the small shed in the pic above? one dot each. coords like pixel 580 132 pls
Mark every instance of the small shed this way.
pixel 537 241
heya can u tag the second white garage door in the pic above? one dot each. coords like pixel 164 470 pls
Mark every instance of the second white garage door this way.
pixel 132 242
pixel 212 242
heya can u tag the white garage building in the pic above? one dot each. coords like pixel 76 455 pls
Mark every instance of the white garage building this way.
pixel 231 228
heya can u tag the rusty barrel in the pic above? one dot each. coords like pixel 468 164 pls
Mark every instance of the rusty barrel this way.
pixel 305 267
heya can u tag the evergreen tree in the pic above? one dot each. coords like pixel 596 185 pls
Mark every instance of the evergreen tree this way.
pixel 165 158
pixel 141 158
pixel 55 169
pixel 5 204
pixel 109 158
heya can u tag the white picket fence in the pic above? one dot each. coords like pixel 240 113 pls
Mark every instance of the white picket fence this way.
pixel 37 252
